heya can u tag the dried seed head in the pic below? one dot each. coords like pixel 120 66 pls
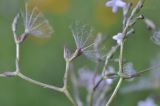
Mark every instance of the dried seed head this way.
pixel 35 23
pixel 67 53
pixel 85 40
pixel 81 34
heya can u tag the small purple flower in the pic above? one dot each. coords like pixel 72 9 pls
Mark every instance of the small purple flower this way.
pixel 118 38
pixel 147 102
pixel 156 37
pixel 115 4
pixel 129 69
pixel 88 79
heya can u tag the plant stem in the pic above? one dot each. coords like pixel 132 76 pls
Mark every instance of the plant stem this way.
pixel 65 80
pixel 39 83
pixel 68 95
pixel 109 56
pixel 121 78
pixel 115 92
pixel 65 86
pixel 17 56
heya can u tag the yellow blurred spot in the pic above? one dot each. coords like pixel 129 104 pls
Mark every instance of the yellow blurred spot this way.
pixel 104 15
pixel 56 6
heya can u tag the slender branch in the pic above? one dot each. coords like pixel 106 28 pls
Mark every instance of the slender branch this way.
pixel 22 76
pixel 65 80
pixel 17 57
pixel 65 86
pixel 120 71
pixel 109 56
pixel 68 95
pixel 114 92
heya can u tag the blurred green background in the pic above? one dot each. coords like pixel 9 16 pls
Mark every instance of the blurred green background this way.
pixel 42 59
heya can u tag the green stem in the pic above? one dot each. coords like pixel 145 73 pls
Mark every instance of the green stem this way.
pixel 115 92
pixel 68 95
pixel 65 81
pixel 39 83
pixel 121 78
pixel 66 75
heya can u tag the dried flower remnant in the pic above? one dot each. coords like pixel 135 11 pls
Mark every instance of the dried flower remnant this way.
pixel 81 34
pixel 67 53
pixel 115 4
pixel 148 102
pixel 35 23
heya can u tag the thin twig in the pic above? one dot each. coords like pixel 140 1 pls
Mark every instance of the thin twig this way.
pixel 65 79
pixel 115 92
pixel 120 71
pixel 22 76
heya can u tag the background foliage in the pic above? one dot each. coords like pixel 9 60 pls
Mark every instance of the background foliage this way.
pixel 42 59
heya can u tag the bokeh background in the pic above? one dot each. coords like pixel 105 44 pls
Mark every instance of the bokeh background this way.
pixel 42 59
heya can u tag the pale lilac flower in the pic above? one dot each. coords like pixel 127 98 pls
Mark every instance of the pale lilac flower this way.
pixel 129 69
pixel 156 37
pixel 115 4
pixel 88 79
pixel 118 38
pixel 109 70
pixel 150 24
pixel 148 102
